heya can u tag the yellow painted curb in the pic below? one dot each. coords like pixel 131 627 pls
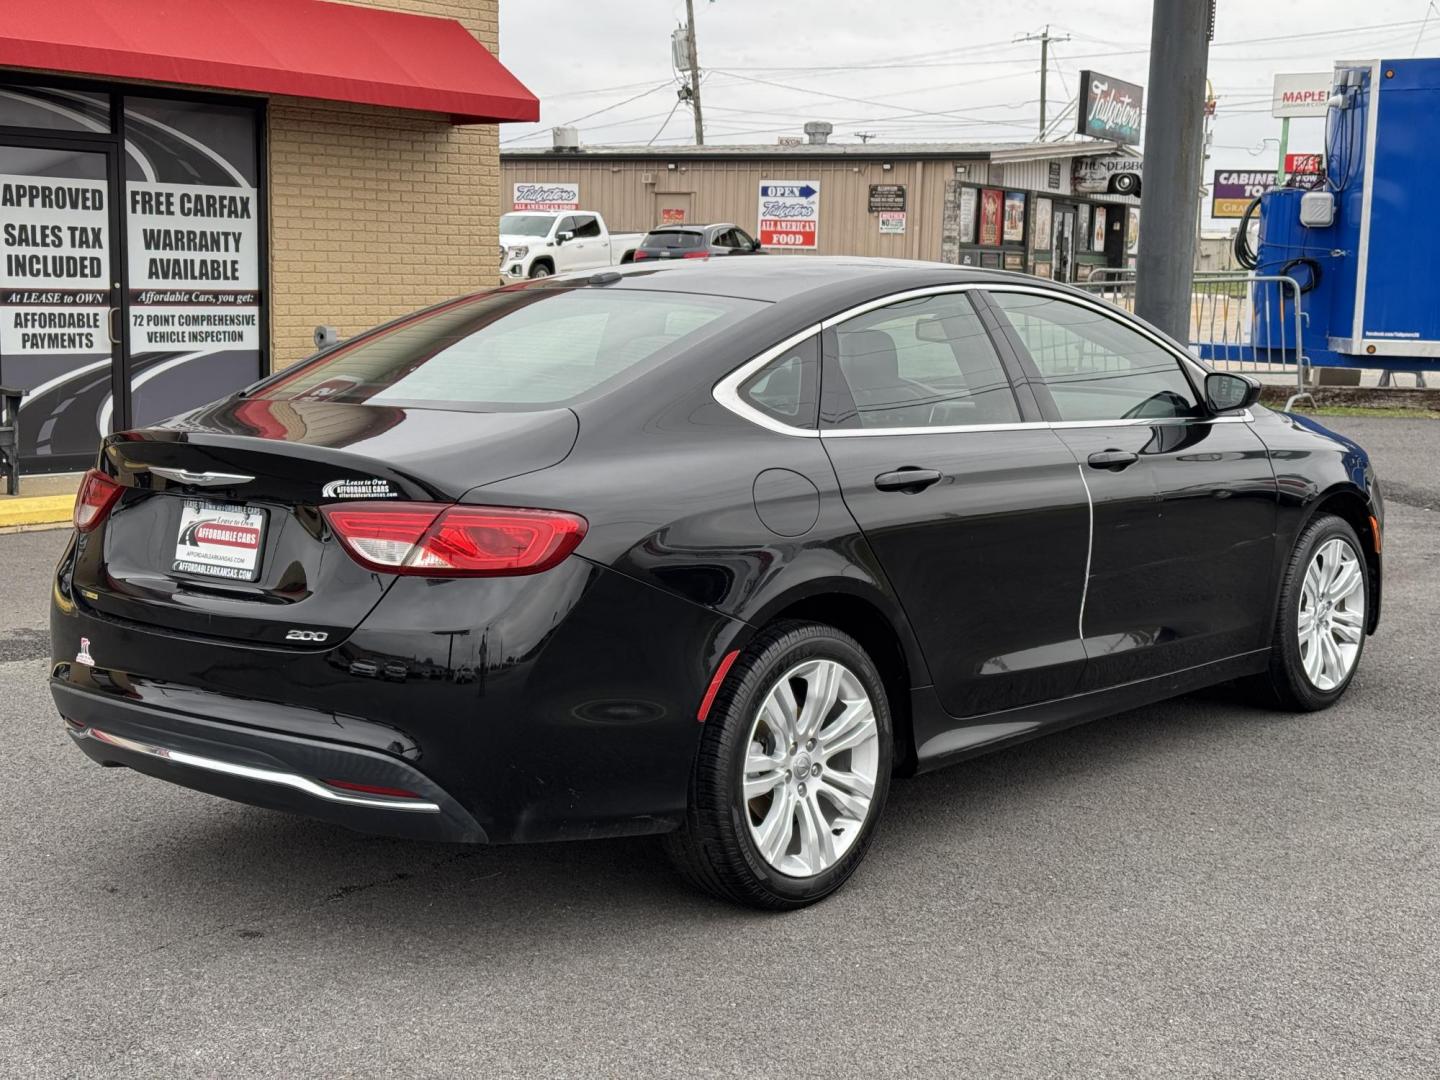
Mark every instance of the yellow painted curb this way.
pixel 36 510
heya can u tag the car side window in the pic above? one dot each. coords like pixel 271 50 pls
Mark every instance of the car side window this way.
pixel 565 225
pixel 586 226
pixel 1094 366
pixel 787 389
pixel 725 238
pixel 743 240
pixel 926 362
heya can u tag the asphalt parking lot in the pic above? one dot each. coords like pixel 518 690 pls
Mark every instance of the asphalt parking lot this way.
pixel 1196 889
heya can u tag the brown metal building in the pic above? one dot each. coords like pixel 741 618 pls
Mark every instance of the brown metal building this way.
pixel 637 188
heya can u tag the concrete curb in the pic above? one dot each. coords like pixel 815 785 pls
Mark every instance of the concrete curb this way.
pixel 1368 397
pixel 36 510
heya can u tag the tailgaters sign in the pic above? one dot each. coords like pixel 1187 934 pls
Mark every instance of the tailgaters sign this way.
pixel 1110 108
pixel 789 214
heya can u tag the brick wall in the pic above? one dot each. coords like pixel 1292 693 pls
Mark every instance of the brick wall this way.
pixel 375 212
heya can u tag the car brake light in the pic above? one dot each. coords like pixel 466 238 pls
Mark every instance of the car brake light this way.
pixel 93 501
pixel 641 255
pixel 696 255
pixel 458 541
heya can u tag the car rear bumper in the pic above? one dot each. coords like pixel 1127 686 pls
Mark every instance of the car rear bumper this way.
pixel 264 768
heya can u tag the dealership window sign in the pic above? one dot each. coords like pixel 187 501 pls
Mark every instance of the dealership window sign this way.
pixel 1110 108
pixel 789 214
pixel 1301 95
pixel 546 197
pixel 1233 190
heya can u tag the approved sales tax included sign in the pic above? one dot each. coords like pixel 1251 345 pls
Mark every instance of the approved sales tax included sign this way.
pixel 789 214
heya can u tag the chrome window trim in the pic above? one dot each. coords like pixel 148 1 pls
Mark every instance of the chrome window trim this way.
pixel 251 772
pixel 727 391
pixel 1037 425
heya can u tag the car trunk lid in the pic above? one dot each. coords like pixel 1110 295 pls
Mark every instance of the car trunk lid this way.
pixel 219 531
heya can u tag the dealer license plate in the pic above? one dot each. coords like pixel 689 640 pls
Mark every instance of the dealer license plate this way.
pixel 220 540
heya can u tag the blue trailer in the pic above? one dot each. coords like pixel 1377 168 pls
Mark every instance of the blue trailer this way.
pixel 1364 246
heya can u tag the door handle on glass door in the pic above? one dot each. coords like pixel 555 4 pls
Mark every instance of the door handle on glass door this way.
pixel 110 325
pixel 909 479
pixel 1114 460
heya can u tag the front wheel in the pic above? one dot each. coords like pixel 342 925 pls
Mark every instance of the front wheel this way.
pixel 792 772
pixel 539 270
pixel 1320 621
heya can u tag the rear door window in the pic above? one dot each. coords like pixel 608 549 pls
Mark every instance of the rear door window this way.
pixel 926 362
pixel 586 226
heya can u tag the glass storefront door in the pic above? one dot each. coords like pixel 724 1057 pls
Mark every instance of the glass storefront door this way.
pixel 59 297
pixel 131 260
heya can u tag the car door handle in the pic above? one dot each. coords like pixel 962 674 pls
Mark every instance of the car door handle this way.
pixel 908 479
pixel 1114 460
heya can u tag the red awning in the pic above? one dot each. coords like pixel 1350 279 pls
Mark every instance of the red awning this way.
pixel 305 48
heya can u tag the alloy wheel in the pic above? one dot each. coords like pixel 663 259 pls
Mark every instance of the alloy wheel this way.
pixel 1330 622
pixel 810 767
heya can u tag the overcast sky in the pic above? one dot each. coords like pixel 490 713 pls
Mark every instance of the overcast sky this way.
pixel 908 70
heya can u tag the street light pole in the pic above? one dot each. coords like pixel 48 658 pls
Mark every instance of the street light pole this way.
pixel 1174 148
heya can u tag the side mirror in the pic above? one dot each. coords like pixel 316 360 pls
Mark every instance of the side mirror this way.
pixel 562 237
pixel 1225 392
pixel 754 245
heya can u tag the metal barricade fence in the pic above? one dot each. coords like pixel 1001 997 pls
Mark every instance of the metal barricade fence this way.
pixel 1238 322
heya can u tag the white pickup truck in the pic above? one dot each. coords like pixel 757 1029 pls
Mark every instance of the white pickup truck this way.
pixel 538 243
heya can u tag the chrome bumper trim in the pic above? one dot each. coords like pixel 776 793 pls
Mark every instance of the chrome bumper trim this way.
pixel 250 772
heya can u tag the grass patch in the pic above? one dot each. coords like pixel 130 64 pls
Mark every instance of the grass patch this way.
pixel 1385 411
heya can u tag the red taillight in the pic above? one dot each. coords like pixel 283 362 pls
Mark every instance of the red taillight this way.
pixel 696 255
pixel 641 255
pixel 93 501
pixel 458 541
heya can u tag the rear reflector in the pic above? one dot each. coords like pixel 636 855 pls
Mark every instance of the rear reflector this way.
pixel 458 541
pixel 696 255
pixel 93 501
pixel 714 688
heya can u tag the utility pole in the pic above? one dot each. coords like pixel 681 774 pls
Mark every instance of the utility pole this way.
pixel 694 72
pixel 1180 33
pixel 1044 38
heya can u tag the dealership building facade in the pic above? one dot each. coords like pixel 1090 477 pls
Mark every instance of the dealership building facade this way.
pixel 187 190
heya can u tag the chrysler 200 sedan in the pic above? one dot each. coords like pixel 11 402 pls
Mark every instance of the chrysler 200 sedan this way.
pixel 711 551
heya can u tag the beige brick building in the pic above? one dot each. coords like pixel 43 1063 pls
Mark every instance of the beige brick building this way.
pixel 235 176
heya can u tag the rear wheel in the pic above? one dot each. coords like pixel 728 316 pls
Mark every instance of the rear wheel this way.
pixel 1321 619
pixel 792 773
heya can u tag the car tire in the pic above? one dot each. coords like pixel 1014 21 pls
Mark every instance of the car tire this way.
pixel 1311 671
pixel 539 270
pixel 718 848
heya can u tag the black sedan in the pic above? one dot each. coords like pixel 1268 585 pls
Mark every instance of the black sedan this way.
pixel 696 242
pixel 712 551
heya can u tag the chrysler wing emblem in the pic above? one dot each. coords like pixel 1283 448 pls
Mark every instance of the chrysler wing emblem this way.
pixel 201 479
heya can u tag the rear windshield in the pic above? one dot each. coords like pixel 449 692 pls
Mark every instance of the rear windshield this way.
pixel 673 240
pixel 526 224
pixel 532 347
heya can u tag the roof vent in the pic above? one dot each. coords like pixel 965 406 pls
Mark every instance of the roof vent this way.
pixel 566 137
pixel 818 132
